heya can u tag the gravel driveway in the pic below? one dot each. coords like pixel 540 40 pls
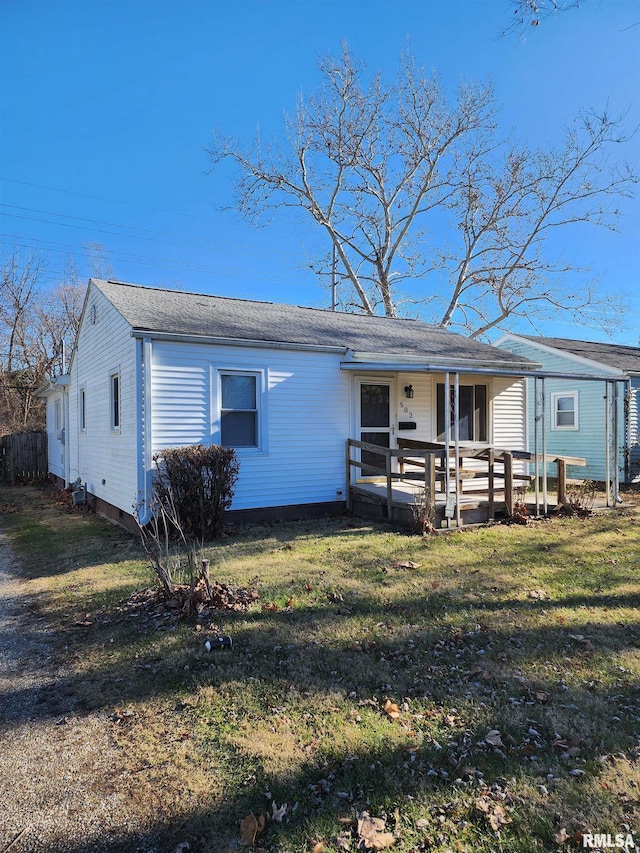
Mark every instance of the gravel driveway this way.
pixel 62 786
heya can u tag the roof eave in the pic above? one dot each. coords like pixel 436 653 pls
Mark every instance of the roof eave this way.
pixel 181 337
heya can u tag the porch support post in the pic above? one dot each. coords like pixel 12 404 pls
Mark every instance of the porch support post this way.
pixel 387 463
pixel 491 483
pixel 508 482
pixel 607 442
pixel 348 477
pixel 447 432
pixel 536 463
pixel 430 483
pixel 456 434
pixel 544 450
pixel 616 446
pixel 561 481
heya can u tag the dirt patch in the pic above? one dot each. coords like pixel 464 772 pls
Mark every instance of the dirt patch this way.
pixel 63 786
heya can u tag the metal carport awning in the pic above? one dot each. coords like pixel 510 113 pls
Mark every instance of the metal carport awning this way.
pixel 447 368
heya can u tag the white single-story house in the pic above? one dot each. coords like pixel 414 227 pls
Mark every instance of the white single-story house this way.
pixel 597 420
pixel 286 386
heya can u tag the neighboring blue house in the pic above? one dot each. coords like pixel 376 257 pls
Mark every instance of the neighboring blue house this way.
pixel 583 417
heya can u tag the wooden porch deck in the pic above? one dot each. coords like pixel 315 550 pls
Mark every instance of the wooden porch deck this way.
pixel 478 485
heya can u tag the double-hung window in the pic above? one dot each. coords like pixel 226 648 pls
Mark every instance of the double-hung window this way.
pixel 239 409
pixel 472 412
pixel 564 410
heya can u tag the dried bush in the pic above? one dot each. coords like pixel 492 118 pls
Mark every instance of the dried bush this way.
pixel 198 482
pixel 580 498
pixel 423 510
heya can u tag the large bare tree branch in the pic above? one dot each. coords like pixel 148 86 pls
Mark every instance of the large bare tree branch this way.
pixel 426 204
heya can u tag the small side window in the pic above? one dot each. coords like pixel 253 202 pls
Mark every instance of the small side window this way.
pixel 115 401
pixel 83 409
pixel 565 410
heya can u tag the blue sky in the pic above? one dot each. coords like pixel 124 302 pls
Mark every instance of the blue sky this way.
pixel 106 108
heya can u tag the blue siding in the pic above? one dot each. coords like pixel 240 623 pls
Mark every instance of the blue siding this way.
pixel 588 440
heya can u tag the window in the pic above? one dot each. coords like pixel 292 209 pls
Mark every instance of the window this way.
pixel 83 409
pixel 472 412
pixel 115 401
pixel 565 410
pixel 239 423
pixel 57 414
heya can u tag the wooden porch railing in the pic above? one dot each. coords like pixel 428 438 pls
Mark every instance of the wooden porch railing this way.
pixel 439 470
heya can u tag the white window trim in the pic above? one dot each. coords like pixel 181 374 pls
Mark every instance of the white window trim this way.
pixel 113 428
pixel 555 396
pixel 262 384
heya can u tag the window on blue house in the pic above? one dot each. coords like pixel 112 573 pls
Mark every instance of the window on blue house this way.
pixel 564 410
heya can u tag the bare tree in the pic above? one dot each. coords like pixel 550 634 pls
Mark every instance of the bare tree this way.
pixel 37 323
pixel 531 13
pixel 423 202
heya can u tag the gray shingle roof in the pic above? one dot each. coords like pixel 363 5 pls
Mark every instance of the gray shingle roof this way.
pixel 614 355
pixel 180 313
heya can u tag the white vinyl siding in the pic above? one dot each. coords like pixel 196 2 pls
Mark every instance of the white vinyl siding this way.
pixel 105 459
pixel 55 434
pixel 304 417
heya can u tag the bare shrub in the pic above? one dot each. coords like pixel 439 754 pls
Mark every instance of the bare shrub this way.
pixel 580 498
pixel 423 510
pixel 192 488
pixel 198 483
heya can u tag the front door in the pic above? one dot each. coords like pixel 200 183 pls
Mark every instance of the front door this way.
pixel 375 424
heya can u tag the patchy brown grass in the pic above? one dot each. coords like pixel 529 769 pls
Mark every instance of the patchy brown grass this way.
pixel 532 632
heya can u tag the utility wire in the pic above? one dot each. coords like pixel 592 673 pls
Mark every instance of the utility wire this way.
pixel 201 242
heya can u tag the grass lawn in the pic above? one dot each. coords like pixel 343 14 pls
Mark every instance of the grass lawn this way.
pixel 475 692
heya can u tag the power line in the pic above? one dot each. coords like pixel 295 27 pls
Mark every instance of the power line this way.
pixel 109 200
pixel 166 264
pixel 201 242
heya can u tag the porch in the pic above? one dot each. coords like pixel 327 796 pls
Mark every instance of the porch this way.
pixel 470 486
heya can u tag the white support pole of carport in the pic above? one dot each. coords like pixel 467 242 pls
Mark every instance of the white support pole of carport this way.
pixel 456 436
pixel 536 462
pixel 447 433
pixel 616 448
pixel 607 439
pixel 544 449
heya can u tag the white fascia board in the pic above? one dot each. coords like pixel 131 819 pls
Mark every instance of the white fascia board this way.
pixel 600 366
pixel 419 361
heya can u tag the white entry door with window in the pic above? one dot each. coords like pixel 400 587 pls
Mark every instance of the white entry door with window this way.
pixel 375 425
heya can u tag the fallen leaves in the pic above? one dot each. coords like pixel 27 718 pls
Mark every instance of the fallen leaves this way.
pixel 494 738
pixel 372 833
pixel 494 812
pixel 391 710
pixel 405 564
pixel 250 828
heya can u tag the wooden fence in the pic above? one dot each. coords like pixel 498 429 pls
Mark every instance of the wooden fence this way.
pixel 23 456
